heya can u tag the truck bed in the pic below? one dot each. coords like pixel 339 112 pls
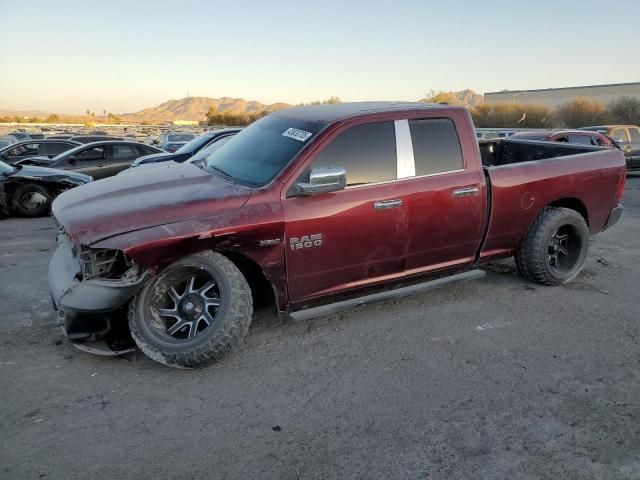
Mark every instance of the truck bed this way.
pixel 496 152
pixel 524 176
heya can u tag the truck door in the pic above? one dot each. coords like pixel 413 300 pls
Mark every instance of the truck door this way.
pixel 351 237
pixel 447 200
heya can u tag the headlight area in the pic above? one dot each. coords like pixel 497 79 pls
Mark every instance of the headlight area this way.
pixel 90 288
pixel 106 264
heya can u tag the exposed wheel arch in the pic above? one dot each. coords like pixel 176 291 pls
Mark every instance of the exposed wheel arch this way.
pixel 262 288
pixel 572 203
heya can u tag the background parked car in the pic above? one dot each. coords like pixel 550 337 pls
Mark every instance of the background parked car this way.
pixel 627 137
pixel 489 133
pixel 579 137
pixel 29 190
pixel 188 150
pixel 61 136
pixel 30 148
pixel 6 141
pixel 98 159
pixel 19 136
pixel 200 158
pixel 172 141
pixel 93 138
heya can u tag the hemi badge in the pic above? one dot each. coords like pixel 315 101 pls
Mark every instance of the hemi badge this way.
pixel 268 243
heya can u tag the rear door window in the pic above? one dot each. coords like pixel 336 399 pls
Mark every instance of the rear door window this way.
pixel 367 153
pixel 124 152
pixel 95 153
pixel 580 139
pixel 55 148
pixel 436 146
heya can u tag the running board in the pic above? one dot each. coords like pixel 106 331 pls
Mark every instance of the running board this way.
pixel 377 297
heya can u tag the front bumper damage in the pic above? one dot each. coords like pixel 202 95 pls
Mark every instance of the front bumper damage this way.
pixel 88 309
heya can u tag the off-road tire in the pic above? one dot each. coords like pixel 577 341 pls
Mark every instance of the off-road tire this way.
pixel 219 338
pixel 532 252
pixel 21 191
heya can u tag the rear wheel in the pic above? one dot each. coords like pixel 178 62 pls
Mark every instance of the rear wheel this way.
pixel 555 248
pixel 32 200
pixel 193 312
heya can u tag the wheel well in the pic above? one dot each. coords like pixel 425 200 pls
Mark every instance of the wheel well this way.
pixel 573 204
pixel 261 288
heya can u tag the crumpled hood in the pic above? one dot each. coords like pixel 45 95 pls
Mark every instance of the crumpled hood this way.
pixel 168 193
pixel 41 160
pixel 55 174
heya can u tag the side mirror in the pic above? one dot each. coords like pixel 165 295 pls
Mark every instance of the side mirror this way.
pixel 323 180
pixel 72 160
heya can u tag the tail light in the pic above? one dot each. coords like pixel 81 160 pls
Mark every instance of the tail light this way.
pixel 623 179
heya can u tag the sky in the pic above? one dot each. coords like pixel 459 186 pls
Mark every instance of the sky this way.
pixel 121 56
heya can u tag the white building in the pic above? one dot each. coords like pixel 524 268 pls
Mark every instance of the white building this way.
pixel 552 97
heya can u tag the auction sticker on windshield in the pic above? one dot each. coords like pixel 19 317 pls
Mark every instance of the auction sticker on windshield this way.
pixel 296 134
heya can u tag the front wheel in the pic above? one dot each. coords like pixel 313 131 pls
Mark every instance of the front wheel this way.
pixel 32 200
pixel 555 248
pixel 193 312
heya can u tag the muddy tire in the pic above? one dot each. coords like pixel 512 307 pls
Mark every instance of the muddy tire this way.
pixel 31 200
pixel 193 312
pixel 555 248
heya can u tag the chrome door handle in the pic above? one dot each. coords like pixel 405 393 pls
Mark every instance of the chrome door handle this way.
pixel 464 192
pixel 384 204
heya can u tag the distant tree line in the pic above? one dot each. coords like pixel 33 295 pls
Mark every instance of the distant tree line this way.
pixel 110 118
pixel 240 119
pixel 579 112
pixel 232 119
pixel 328 101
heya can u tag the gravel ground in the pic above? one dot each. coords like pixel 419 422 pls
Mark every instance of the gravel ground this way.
pixel 498 378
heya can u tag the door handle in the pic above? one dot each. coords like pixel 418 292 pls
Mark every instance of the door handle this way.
pixel 100 165
pixel 465 192
pixel 384 204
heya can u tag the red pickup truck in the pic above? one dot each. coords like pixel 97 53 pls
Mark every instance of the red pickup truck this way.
pixel 319 208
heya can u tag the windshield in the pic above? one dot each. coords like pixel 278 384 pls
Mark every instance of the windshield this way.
pixel 180 137
pixel 4 168
pixel 259 152
pixel 194 144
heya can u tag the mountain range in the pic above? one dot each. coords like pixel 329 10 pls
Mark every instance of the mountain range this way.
pixel 195 108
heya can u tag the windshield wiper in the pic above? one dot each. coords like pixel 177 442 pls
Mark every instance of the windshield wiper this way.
pixel 223 173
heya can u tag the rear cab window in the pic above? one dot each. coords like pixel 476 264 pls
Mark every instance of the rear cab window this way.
pixel 436 146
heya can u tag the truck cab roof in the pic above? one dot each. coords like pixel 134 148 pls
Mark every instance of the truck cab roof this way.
pixel 331 113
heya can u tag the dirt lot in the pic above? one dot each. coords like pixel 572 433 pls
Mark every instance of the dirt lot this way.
pixel 498 378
